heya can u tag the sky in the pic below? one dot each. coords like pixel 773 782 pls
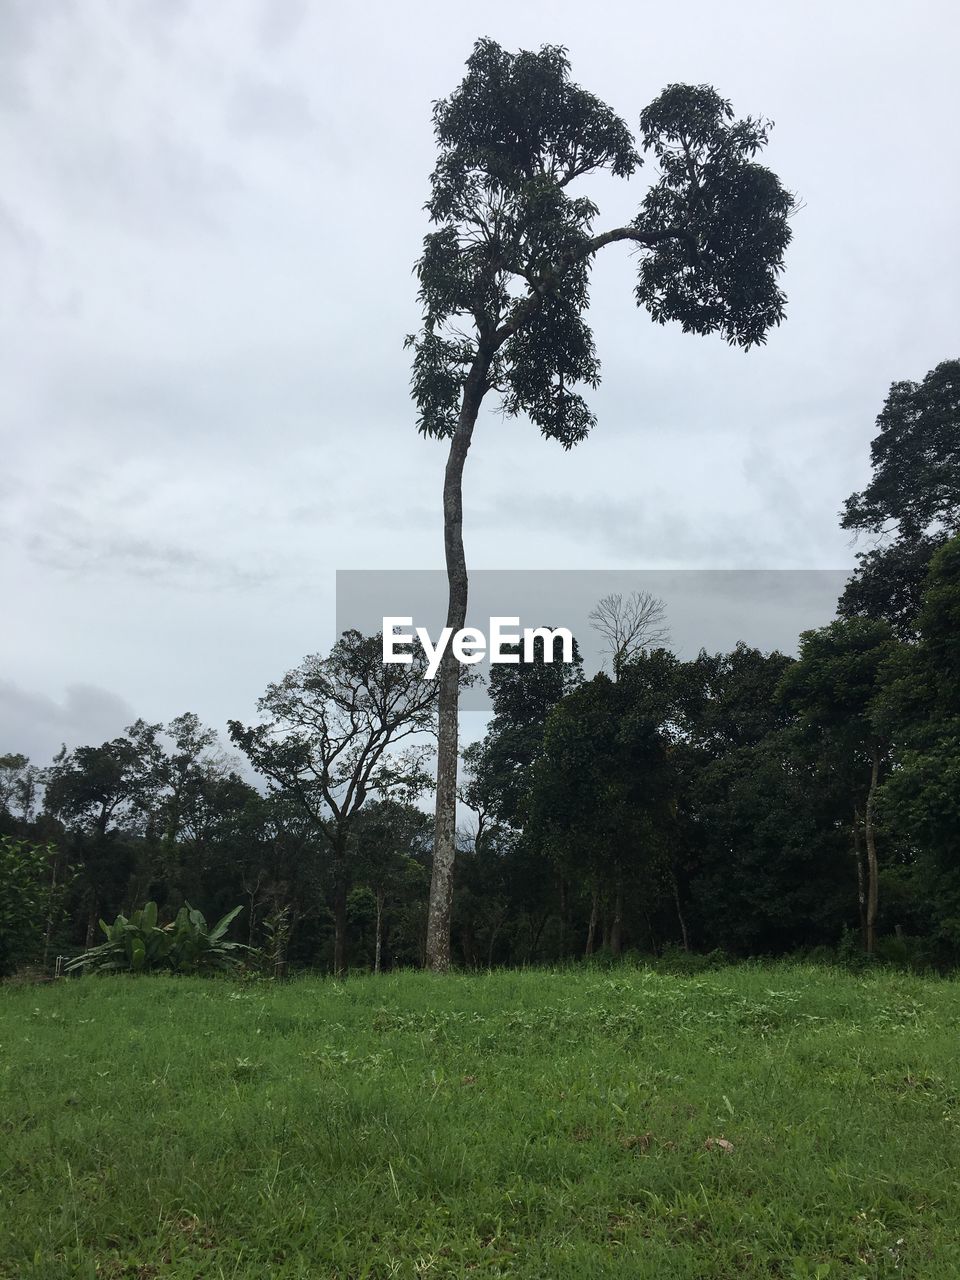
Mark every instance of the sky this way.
pixel 208 223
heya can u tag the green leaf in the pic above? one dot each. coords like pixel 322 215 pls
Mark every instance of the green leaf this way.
pixel 220 928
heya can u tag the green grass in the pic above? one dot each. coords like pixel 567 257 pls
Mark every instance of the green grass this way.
pixel 529 1124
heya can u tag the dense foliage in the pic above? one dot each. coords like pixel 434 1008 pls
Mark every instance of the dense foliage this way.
pixel 912 504
pixel 187 944
pixel 743 802
pixel 31 900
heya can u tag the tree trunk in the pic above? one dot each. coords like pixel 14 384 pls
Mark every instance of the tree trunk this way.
pixel 676 898
pixel 653 937
pixel 93 919
pixel 870 839
pixel 536 932
pixel 861 882
pixel 616 924
pixel 494 931
pixel 281 940
pixel 445 834
pixel 253 894
pixel 379 945
pixel 448 752
pixel 592 927
pixel 48 930
pixel 564 907
pixel 339 919
pixel 468 943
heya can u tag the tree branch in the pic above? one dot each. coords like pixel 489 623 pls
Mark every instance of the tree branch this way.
pixel 529 306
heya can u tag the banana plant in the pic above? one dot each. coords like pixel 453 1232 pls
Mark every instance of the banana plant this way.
pixel 140 943
pixel 135 944
pixel 196 946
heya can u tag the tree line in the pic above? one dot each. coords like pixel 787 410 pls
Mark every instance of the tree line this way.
pixel 753 802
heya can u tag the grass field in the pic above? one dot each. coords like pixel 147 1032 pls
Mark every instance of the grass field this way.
pixel 528 1124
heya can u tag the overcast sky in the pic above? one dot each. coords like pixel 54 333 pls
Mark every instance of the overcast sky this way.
pixel 208 219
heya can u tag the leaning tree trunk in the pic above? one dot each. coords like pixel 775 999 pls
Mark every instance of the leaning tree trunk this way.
pixel 680 917
pixel 869 835
pixel 448 753
pixel 592 926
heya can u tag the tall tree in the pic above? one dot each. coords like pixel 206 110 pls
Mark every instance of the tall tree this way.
pixel 724 709
pixel 912 503
pixel 835 687
pixel 522 695
pixel 921 708
pixel 188 761
pixel 765 852
pixel 388 834
pixel 601 789
pixel 504 282
pixel 104 795
pixel 328 740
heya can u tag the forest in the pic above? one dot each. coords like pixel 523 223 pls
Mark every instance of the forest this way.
pixel 741 803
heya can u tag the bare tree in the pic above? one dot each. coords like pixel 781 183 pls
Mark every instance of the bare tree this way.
pixel 630 625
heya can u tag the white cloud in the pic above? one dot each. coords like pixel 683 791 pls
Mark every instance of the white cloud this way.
pixel 207 234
